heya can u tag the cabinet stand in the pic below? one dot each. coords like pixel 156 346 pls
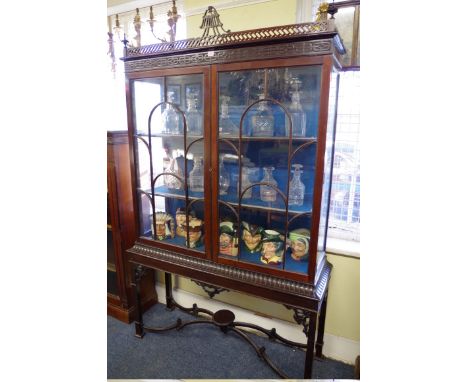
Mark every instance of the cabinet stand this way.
pixel 225 320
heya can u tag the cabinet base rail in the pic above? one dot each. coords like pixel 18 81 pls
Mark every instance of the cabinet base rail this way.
pixel 225 320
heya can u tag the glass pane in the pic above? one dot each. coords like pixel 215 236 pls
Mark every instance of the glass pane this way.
pixel 170 160
pixel 265 178
pixel 327 165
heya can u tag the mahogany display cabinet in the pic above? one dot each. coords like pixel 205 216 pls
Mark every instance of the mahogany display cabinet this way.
pixel 121 233
pixel 231 141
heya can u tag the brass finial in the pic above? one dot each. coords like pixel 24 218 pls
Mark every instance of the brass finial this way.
pixel 212 21
pixel 321 14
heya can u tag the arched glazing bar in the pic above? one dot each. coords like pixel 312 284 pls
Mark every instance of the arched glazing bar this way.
pixel 285 197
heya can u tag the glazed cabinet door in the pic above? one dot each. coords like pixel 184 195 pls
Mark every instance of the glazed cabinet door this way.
pixel 268 126
pixel 170 129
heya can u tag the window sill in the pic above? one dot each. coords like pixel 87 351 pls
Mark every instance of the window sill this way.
pixel 343 247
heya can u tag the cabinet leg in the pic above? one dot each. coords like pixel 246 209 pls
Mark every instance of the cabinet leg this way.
pixel 169 299
pixel 321 328
pixel 310 346
pixel 139 331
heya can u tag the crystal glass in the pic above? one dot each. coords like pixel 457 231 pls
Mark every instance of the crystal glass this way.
pixel 226 126
pixel 194 117
pixel 196 175
pixel 298 116
pixel 296 187
pixel 171 118
pixel 263 121
pixel 246 182
pixel 172 181
pixel 223 178
pixel 268 194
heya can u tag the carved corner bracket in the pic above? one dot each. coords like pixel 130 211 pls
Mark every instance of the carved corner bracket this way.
pixel 139 272
pixel 301 316
pixel 211 290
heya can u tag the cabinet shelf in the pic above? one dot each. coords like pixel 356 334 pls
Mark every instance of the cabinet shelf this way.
pixel 257 204
pixel 175 194
pixel 161 135
pixel 231 199
pixel 268 139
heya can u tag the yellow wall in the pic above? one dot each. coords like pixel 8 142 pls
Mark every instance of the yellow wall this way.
pixel 270 13
pixel 343 298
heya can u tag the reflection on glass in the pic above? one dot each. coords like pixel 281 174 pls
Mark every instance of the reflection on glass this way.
pixel 171 118
pixel 296 187
pixel 223 178
pixel 193 116
pixel 246 182
pixel 196 175
pixel 267 193
pixel 263 121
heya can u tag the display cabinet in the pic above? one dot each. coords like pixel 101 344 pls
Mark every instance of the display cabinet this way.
pixel 121 232
pixel 231 138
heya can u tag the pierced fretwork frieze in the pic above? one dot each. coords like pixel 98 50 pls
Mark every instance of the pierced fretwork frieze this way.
pixel 211 290
pixel 300 48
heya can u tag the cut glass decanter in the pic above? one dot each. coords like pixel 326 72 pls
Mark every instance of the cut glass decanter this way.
pixel 171 118
pixel 226 126
pixel 194 117
pixel 298 116
pixel 268 194
pixel 262 120
pixel 196 175
pixel 296 187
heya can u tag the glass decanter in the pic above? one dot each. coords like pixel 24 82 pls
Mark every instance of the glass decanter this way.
pixel 268 194
pixel 223 178
pixel 298 116
pixel 171 118
pixel 196 175
pixel 296 187
pixel 262 120
pixel 226 126
pixel 172 181
pixel 246 183
pixel 194 118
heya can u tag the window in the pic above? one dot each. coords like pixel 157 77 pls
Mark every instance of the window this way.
pixel 344 215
